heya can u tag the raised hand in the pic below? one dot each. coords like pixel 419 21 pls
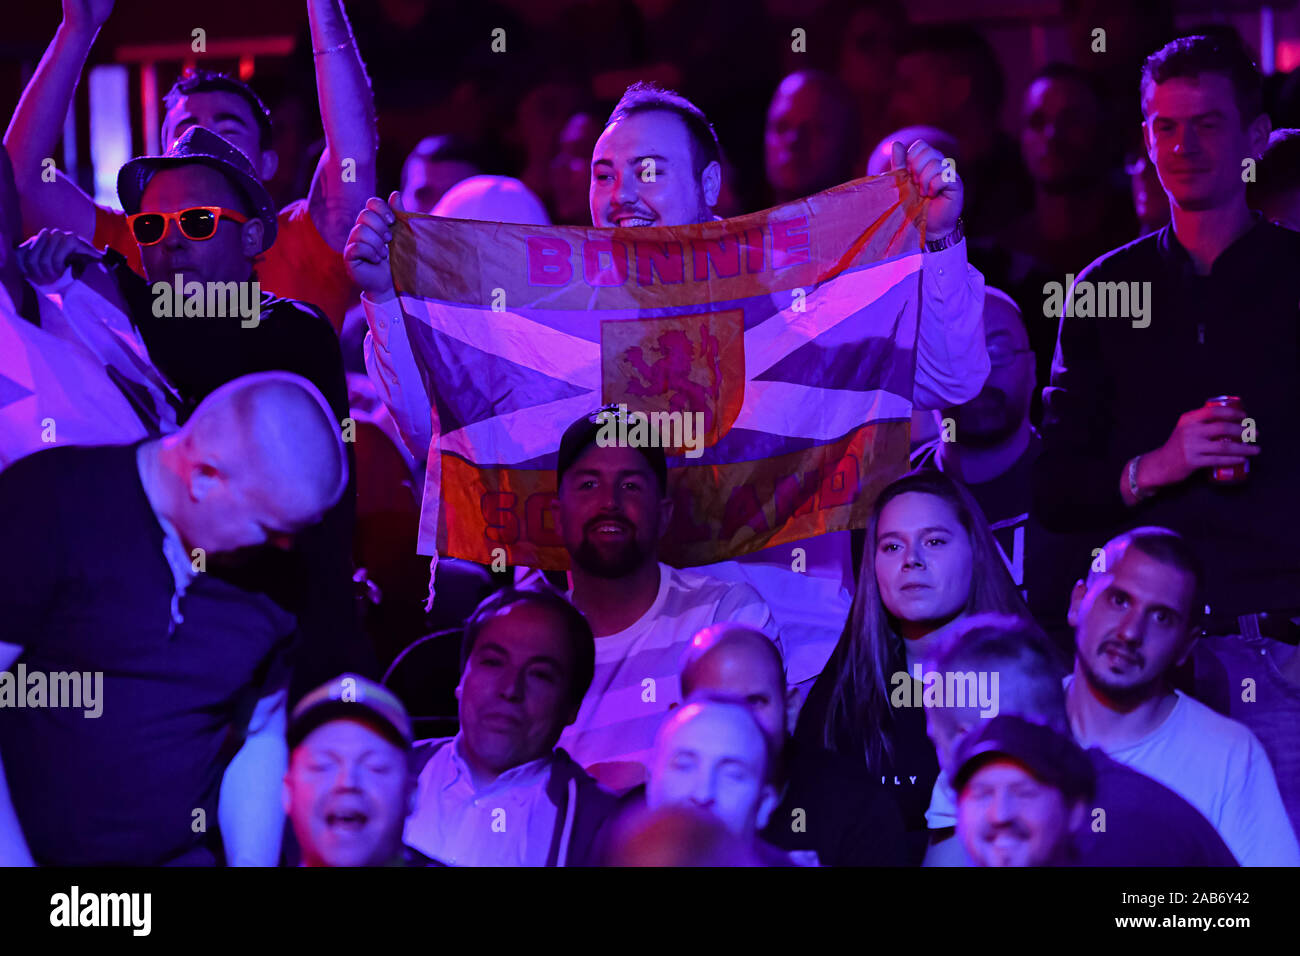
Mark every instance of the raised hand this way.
pixel 925 164
pixel 366 250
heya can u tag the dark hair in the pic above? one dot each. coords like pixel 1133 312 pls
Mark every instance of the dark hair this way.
pixel 1059 70
pixel 1193 55
pixel 871 646
pixel 1278 171
pixel 969 54
pixel 1169 548
pixel 11 222
pixel 211 81
pixel 1005 644
pixel 448 148
pixel 648 98
pixel 582 643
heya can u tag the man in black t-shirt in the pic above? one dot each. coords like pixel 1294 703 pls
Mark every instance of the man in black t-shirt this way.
pixel 135 570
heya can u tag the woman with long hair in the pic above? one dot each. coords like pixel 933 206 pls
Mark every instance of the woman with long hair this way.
pixel 929 560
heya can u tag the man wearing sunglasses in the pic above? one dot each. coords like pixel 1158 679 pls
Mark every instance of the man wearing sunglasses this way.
pixel 306 263
pixel 200 215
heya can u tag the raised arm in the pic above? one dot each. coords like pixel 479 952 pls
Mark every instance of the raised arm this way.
pixel 345 175
pixel 37 124
pixel 952 360
pixel 390 360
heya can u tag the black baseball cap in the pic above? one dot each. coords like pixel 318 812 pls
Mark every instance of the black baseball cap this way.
pixel 205 148
pixel 581 435
pixel 351 697
pixel 1054 759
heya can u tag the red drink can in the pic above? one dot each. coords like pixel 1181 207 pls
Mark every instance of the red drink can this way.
pixel 1229 474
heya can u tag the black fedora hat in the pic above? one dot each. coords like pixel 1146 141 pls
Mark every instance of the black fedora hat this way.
pixel 205 148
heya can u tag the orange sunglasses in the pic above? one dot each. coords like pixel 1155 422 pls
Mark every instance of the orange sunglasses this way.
pixel 198 222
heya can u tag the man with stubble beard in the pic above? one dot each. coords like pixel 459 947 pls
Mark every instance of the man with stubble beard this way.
pixel 611 510
pixel 1136 621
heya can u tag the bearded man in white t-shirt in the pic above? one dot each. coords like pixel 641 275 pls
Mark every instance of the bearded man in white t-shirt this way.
pixel 611 510
pixel 1135 622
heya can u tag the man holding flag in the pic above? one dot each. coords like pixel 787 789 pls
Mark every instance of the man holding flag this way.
pixel 656 164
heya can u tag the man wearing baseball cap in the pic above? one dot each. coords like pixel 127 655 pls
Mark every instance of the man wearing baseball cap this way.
pixel 1022 790
pixel 612 508
pixel 1146 823
pixel 201 218
pixel 349 786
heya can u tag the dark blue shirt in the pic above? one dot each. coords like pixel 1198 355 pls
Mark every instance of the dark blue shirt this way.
pixel 1146 824
pixel 84 587
pixel 1118 390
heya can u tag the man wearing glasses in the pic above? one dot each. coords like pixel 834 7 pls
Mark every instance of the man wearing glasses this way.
pixel 201 219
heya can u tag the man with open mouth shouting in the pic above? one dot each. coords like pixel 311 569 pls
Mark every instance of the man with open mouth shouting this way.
pixel 350 784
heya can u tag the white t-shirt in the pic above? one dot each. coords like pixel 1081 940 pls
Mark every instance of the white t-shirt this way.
pixel 1219 767
pixel 637 669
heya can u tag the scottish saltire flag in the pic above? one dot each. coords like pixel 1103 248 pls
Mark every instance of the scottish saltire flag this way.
pixel 793 331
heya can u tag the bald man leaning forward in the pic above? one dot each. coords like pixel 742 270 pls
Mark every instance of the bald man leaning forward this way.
pixel 145 712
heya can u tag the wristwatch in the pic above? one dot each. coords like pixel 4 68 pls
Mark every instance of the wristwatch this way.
pixel 1133 488
pixel 946 242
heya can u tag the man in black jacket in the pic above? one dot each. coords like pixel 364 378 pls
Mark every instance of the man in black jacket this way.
pixel 1206 307
pixel 1144 822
